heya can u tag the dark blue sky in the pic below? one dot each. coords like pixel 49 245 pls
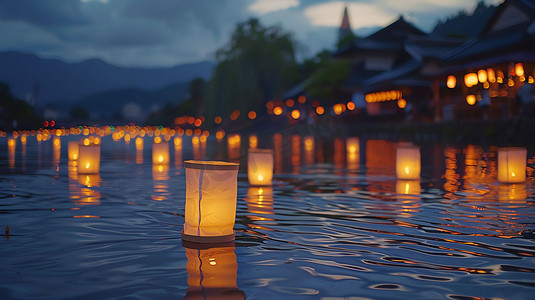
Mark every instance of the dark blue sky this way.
pixel 169 32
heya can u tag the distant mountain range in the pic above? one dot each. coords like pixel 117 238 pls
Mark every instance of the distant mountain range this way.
pixel 43 81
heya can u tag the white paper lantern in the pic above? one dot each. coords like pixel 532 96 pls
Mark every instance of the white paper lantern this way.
pixel 408 162
pixel 260 166
pixel 89 159
pixel 512 164
pixel 160 153
pixel 211 195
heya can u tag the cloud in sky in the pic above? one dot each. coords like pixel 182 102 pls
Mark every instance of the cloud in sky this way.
pixel 170 32
pixel 266 6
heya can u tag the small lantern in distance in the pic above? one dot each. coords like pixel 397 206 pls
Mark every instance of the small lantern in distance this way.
pixel 512 164
pixel 408 162
pixel 89 158
pixel 260 166
pixel 160 152
pixel 211 196
pixel 73 150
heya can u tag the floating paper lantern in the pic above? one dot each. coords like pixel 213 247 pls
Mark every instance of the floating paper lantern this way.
pixel 211 195
pixel 212 273
pixel 408 162
pixel 73 150
pixel 89 159
pixel 512 164
pixel 160 152
pixel 260 166
pixel 470 79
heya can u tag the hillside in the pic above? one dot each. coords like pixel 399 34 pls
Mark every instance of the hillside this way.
pixel 41 81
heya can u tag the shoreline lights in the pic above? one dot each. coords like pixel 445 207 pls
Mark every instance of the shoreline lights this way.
pixel 211 196
pixel 512 165
pixel 260 166
pixel 408 163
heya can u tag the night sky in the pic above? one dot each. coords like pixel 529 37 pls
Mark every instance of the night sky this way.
pixel 168 32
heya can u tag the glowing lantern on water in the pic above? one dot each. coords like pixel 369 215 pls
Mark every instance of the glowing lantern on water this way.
pixel 408 162
pixel 160 152
pixel 260 166
pixel 89 159
pixel 402 103
pixel 470 79
pixel 212 273
pixel 211 195
pixel 73 150
pixel 451 82
pixel 512 164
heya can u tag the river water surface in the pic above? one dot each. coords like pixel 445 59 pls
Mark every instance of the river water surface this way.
pixel 335 224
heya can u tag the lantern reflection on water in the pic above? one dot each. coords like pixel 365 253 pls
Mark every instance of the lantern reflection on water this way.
pixel 308 141
pixel 11 145
pixel 160 176
pixel 160 152
pixel 408 162
pixel 253 141
pixel 89 159
pixel 259 202
pixel 512 193
pixel 260 166
pixel 56 150
pixel 353 153
pixel 512 164
pixel 212 273
pixel 211 195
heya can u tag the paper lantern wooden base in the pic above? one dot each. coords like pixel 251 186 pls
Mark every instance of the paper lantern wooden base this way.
pixel 208 239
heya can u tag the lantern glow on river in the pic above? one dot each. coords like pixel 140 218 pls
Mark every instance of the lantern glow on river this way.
pixel 260 166
pixel 89 159
pixel 512 165
pixel 160 152
pixel 211 196
pixel 408 162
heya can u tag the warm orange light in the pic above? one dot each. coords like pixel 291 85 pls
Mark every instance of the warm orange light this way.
pixel 253 141
pixel 470 79
pixel 260 166
pixel 519 69
pixel 160 153
pixel 157 140
pixel 195 140
pixel 451 82
pixel 220 135
pixel 197 122
pixel 491 75
pixel 252 115
pixel 290 102
pixel 350 105
pixel 86 142
pixel 471 99
pixel 217 120
pixel 178 142
pixel 482 76
pixel 338 109
pixel 189 132
pixel 296 114
pixel 510 82
pixel 234 115
pixel 11 142
pixel 408 162
pixel 277 110
pixel 512 164
pixel 320 110
pixel 402 103
pixel 302 99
